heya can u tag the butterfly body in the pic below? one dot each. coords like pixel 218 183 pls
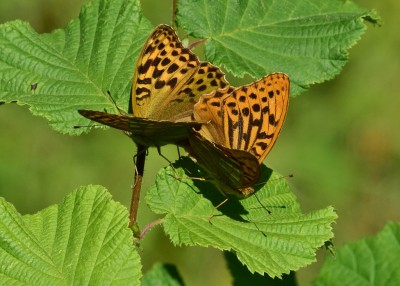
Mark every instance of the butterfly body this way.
pixel 168 80
pixel 244 124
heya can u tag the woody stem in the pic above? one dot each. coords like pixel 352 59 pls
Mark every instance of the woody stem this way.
pixel 137 184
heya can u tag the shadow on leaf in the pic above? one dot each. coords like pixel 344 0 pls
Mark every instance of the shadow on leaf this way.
pixel 232 208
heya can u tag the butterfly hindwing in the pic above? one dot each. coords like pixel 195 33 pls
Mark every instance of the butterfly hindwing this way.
pixel 235 167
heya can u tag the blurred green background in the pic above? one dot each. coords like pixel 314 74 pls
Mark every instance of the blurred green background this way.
pixel 341 141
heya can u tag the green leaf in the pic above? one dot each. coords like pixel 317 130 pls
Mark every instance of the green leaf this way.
pixel 75 67
pixel 308 40
pixel 267 231
pixel 162 275
pixel 369 261
pixel 85 240
pixel 70 69
pixel 242 276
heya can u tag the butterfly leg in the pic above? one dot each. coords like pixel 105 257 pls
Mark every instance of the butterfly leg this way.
pixel 166 159
pixel 176 176
pixel 215 208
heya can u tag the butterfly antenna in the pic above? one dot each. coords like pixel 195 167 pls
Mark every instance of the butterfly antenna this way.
pixel 170 163
pixel 261 204
pixel 82 126
pixel 180 157
pixel 87 126
pixel 254 223
pixel 179 153
pixel 265 208
pixel 115 103
pixel 275 179
pixel 188 175
pixel 186 169
pixel 166 159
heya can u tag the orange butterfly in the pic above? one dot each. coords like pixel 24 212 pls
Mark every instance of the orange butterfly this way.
pixel 244 123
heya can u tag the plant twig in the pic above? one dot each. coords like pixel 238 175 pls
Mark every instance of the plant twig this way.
pixel 148 227
pixel 137 184
pixel 194 44
pixel 174 11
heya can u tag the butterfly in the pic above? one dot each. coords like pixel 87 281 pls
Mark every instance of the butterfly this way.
pixel 243 125
pixel 168 80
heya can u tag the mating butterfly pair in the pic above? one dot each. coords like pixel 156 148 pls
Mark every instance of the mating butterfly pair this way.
pixel 174 94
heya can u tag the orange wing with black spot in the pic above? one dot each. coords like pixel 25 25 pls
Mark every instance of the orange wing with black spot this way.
pixel 247 118
pixel 169 78
pixel 244 123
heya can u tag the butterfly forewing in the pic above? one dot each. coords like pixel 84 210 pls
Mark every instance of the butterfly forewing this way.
pixel 273 94
pixel 243 124
pixel 246 118
pixel 254 114
pixel 170 76
pixel 168 80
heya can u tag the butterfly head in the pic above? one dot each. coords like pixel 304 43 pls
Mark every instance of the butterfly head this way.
pixel 238 193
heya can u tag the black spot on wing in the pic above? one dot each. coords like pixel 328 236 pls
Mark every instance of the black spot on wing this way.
pixel 256 107
pixel 157 73
pixel 141 90
pixel 172 68
pixel 265 109
pixel 202 88
pixel 263 135
pixel 271 120
pixel 144 68
pixel 156 61
pixel 146 80
pixel 165 62
pixel 159 84
pixel 161 46
pixel 172 82
pixel 149 49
